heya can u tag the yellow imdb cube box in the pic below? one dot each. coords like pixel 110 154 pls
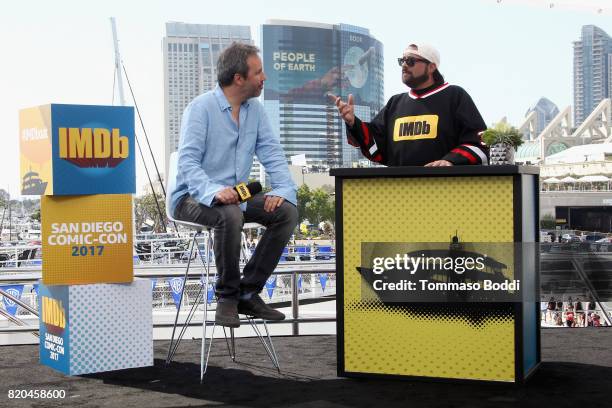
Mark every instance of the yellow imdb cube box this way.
pixel 87 239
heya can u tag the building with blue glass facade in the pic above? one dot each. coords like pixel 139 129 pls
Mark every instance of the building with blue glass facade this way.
pixel 304 62
pixel 545 111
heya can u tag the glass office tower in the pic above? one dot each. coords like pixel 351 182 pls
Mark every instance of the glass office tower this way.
pixel 306 61
pixel 592 71
pixel 190 68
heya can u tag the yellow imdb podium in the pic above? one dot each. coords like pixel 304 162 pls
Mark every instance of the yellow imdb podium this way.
pixel 87 239
pixel 453 335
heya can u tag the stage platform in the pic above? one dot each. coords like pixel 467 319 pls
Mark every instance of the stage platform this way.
pixel 576 372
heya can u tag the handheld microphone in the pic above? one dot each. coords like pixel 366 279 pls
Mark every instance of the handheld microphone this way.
pixel 247 191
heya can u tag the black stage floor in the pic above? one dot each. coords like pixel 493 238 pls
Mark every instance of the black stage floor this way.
pixel 576 372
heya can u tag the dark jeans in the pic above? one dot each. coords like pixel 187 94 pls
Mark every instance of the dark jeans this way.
pixel 227 222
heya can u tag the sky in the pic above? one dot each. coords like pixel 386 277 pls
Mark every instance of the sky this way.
pixel 505 53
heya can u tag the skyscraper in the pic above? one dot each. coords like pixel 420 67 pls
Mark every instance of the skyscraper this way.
pixel 190 62
pixel 304 61
pixel 545 111
pixel 592 71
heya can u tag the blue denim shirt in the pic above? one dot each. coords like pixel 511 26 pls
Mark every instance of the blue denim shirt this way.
pixel 215 153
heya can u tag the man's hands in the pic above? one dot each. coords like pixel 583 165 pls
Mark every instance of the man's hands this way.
pixel 272 203
pixel 346 109
pixel 227 196
pixel 439 163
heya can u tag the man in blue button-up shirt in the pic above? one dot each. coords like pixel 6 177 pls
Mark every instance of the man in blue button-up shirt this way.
pixel 221 132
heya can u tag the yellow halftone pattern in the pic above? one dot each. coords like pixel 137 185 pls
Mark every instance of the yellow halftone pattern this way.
pixel 35 151
pixel 63 265
pixel 395 340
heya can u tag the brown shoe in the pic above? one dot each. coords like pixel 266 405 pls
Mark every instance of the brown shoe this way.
pixel 227 314
pixel 256 307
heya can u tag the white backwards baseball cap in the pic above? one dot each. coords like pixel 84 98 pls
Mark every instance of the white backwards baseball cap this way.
pixel 424 51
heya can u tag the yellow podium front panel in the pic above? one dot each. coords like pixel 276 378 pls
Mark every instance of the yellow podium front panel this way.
pixel 474 341
pixel 87 239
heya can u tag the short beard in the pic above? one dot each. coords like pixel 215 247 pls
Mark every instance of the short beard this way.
pixel 413 82
pixel 255 92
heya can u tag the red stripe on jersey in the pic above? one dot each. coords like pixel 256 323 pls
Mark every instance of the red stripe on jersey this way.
pixel 366 134
pixel 377 158
pixel 417 96
pixel 465 154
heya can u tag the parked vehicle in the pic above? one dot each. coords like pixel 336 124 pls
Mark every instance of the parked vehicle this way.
pixel 593 237
pixel 570 238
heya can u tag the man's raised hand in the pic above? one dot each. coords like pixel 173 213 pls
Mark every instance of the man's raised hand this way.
pixel 346 109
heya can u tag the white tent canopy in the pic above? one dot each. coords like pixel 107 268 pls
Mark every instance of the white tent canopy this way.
pixel 568 179
pixel 593 179
pixel 552 180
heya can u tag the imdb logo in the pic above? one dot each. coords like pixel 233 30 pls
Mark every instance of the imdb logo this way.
pixel 87 147
pixel 415 127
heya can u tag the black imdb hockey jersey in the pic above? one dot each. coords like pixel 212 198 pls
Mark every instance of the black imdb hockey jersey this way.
pixel 416 128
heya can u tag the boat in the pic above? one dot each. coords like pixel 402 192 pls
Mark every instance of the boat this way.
pixel 32 184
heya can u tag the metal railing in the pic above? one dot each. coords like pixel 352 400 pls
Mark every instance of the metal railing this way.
pixel 579 189
pixel 568 270
pixel 157 249
pixel 285 294
pixel 15 320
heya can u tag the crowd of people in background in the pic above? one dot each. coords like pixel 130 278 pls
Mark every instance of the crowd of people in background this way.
pixel 570 313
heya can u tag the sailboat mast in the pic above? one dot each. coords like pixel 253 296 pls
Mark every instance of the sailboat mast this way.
pixel 10 218
pixel 118 65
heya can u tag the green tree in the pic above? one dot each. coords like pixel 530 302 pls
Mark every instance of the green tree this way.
pixel 4 197
pixel 30 205
pixel 35 216
pixel 146 209
pixel 303 197
pixel 320 207
pixel 548 221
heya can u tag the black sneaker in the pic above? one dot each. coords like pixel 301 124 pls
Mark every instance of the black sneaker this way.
pixel 256 307
pixel 227 314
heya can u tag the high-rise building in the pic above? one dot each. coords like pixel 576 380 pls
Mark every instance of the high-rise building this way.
pixel 305 61
pixel 592 71
pixel 190 68
pixel 545 111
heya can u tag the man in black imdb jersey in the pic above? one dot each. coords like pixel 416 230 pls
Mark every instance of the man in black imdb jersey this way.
pixel 434 124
